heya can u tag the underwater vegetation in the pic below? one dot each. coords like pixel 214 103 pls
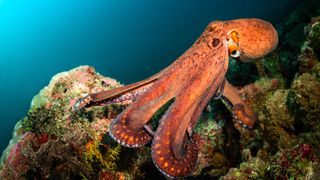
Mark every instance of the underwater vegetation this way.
pixel 55 142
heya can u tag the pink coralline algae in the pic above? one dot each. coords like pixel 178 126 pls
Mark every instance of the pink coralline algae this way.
pixel 304 151
pixel 17 161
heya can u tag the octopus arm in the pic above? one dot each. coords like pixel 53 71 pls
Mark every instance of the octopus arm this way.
pixel 242 112
pixel 128 91
pixel 173 151
pixel 128 128
pixel 199 109
pixel 103 95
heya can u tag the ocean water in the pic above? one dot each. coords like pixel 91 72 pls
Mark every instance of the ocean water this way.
pixel 126 40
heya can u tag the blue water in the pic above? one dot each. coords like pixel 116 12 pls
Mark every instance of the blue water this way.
pixel 127 40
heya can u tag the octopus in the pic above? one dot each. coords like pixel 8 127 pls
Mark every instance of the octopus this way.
pixel 189 83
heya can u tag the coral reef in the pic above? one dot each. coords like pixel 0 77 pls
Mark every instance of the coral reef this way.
pixel 55 142
pixel 298 162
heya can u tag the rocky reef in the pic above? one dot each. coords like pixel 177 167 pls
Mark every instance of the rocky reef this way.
pixel 55 142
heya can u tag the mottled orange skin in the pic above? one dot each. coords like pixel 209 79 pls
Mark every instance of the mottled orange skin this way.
pixel 257 37
pixel 191 81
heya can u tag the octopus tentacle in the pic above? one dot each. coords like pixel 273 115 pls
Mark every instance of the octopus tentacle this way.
pixel 129 137
pixel 96 97
pixel 174 156
pixel 243 118
pixel 119 94
pixel 219 93
pixel 206 98
pixel 129 127
pixel 242 112
pixel 174 152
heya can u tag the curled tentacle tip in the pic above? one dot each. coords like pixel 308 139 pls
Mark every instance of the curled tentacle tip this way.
pixel 131 138
pixel 244 125
pixel 173 166
pixel 76 106
pixel 124 143
pixel 241 117
pixel 81 103
pixel 254 126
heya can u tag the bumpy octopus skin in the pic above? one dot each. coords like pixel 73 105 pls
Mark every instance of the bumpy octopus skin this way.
pixel 191 81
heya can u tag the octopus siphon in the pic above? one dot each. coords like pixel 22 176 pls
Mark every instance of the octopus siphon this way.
pixel 189 82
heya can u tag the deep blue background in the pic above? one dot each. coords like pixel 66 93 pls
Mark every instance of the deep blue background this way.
pixel 126 40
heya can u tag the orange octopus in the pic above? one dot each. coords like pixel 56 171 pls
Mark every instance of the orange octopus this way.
pixel 190 82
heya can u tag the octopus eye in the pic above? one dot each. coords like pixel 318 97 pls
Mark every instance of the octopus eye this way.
pixel 235 53
pixel 233 44
pixel 233 50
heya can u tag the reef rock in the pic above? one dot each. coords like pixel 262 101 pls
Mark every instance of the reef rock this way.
pixel 54 142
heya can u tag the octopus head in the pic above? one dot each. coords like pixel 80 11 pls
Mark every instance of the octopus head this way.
pixel 249 39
